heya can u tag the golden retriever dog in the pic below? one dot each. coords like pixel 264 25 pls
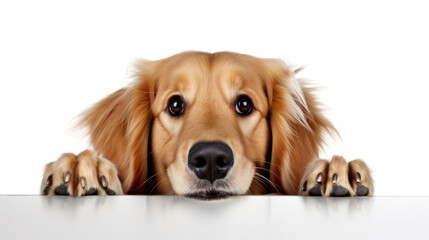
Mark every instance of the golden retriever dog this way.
pixel 207 126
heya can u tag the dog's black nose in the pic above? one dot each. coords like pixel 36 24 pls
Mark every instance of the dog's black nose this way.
pixel 210 160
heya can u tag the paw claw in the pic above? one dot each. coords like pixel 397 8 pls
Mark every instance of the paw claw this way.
pixel 358 177
pixel 49 181
pixel 334 178
pixel 319 178
pixel 304 186
pixel 66 177
pixel 103 181
pixel 83 182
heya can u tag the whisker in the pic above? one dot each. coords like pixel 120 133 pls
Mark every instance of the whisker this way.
pixel 156 185
pixel 153 184
pixel 269 172
pixel 271 164
pixel 277 187
pixel 151 177
pixel 258 182
pixel 262 180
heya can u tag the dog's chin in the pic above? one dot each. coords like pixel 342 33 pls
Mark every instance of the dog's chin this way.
pixel 209 194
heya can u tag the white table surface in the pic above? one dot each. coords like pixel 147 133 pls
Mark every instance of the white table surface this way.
pixel 248 217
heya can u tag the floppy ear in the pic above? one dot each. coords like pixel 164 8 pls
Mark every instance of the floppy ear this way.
pixel 119 128
pixel 297 126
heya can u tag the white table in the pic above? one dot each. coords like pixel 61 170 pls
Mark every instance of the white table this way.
pixel 249 217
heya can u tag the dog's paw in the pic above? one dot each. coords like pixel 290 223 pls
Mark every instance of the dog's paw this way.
pixel 81 175
pixel 337 178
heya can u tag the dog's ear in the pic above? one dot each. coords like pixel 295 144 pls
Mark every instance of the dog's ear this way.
pixel 119 128
pixel 297 125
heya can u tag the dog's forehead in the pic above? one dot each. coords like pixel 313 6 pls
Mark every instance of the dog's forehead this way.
pixel 205 75
pixel 235 78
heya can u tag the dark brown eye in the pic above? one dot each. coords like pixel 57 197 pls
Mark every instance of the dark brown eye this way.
pixel 244 105
pixel 176 106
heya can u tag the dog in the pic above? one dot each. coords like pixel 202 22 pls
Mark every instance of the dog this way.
pixel 208 126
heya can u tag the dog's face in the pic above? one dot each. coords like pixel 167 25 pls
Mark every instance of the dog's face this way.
pixel 210 129
pixel 211 125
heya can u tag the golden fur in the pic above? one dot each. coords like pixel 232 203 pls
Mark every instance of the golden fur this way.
pixel 274 146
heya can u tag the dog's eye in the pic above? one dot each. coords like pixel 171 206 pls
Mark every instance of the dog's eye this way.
pixel 244 105
pixel 176 106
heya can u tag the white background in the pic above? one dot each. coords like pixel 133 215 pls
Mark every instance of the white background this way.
pixel 370 59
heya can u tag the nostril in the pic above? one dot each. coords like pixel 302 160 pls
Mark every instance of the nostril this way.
pixel 222 162
pixel 197 162
pixel 200 162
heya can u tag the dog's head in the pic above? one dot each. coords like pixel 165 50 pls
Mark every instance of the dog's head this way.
pixel 209 125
